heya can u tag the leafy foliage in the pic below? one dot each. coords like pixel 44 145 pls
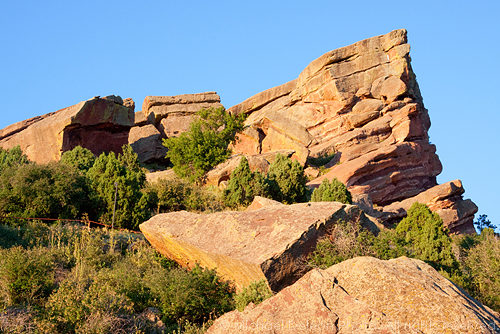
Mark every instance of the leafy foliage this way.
pixel 75 280
pixel 483 222
pixel 334 191
pixel 346 240
pixel 244 185
pixel 192 296
pixel 178 194
pixel 25 276
pixel 80 158
pixel 205 145
pixel 133 205
pixel 287 180
pixel 44 191
pixel 11 158
pixel 255 293
pixel 426 238
pixel 482 263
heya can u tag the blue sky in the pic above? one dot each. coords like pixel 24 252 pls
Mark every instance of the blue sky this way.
pixel 57 53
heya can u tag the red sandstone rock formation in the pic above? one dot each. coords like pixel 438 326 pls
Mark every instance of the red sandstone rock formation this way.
pixel 360 104
pixel 271 242
pixel 99 124
pixel 365 295
pixel 163 117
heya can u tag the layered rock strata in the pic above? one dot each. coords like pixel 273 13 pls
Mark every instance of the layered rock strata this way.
pixel 98 124
pixel 163 117
pixel 174 114
pixel 366 295
pixel 359 105
pixel 270 243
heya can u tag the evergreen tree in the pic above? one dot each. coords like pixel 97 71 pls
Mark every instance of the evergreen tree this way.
pixel 334 191
pixel 133 205
pixel 205 145
pixel 287 180
pixel 244 185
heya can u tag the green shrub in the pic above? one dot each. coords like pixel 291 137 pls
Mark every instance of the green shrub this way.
pixel 483 264
pixel 193 296
pixel 334 191
pixel 80 158
pixel 26 276
pixel 133 206
pixel 345 241
pixel 205 145
pixel 12 158
pixel 426 238
pixel 244 185
pixel 255 293
pixel 46 191
pixel 287 181
pixel 178 194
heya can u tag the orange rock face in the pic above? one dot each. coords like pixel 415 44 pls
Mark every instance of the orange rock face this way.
pixel 365 295
pixel 99 124
pixel 360 104
pixel 271 242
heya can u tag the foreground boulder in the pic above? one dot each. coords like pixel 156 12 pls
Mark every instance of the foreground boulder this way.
pixel 359 106
pixel 98 124
pixel 269 243
pixel 366 295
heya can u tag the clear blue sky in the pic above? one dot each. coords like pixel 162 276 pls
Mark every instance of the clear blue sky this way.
pixel 57 53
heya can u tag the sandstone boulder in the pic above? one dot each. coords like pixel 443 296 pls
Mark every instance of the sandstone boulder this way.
pixel 366 295
pixel 444 199
pixel 146 142
pixel 174 114
pixel 99 124
pixel 270 243
pixel 158 176
pixel 363 102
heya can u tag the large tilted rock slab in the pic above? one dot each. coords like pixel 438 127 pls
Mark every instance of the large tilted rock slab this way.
pixel 99 124
pixel 366 295
pixel 268 243
pixel 362 106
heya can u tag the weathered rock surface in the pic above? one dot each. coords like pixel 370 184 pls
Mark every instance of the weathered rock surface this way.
pixel 157 176
pixel 173 114
pixel 366 295
pixel 444 199
pixel 146 141
pixel 363 103
pixel 99 124
pixel 268 243
pixel 169 116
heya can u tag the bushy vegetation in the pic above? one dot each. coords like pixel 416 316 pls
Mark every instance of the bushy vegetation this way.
pixel 329 191
pixel 77 186
pixel 124 173
pixel 178 194
pixel 469 261
pixel 255 293
pixel 244 185
pixel 53 190
pixel 287 181
pixel 80 158
pixel 205 145
pixel 68 279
